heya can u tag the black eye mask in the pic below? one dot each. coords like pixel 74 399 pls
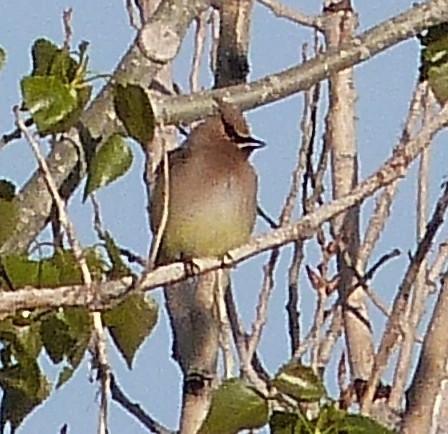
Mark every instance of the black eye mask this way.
pixel 237 137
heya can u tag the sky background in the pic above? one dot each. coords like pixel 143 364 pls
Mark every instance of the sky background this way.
pixel 384 85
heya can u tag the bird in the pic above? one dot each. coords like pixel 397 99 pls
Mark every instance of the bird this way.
pixel 212 200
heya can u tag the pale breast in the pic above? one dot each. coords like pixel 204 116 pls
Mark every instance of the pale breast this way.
pixel 212 205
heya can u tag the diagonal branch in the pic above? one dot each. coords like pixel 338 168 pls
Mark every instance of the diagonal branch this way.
pixel 393 328
pixel 99 121
pixel 304 228
pixel 277 86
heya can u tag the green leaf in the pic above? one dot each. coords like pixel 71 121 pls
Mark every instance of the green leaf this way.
pixel 65 375
pixel 23 343
pixel 358 424
pixel 82 98
pixel 285 423
pixel 56 338
pixel 434 60
pixel 65 336
pixel 43 53
pixel 28 338
pixel 80 326
pixel 2 57
pixel 111 161
pixel 130 323
pixel 55 92
pixel 23 271
pixel 235 406
pixel 9 215
pixel 63 67
pixel 333 420
pixel 134 109
pixel 8 210
pixel 68 267
pixel 50 60
pixel 299 382
pixel 24 388
pixel 7 190
pixel 119 268
pixel 49 100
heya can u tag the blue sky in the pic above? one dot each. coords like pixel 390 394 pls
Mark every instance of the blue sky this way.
pixel 384 85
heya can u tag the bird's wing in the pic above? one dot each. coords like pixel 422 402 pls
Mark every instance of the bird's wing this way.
pixel 177 159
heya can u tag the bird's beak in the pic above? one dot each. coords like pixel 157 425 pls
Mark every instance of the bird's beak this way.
pixel 250 143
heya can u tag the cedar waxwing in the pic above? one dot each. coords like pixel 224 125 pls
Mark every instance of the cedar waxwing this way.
pixel 212 201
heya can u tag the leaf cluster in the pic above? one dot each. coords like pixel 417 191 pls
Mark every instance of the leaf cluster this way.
pixel 238 406
pixel 434 60
pixel 63 336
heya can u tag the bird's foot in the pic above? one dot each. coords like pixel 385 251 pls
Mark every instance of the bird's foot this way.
pixel 227 260
pixel 190 268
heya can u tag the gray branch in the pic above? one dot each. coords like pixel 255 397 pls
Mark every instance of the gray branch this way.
pixel 105 294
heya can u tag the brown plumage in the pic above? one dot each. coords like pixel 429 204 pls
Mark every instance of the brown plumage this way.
pixel 212 202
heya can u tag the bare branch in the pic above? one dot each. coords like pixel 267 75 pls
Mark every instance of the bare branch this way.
pixel 135 409
pixel 427 403
pixel 304 228
pixel 291 14
pixel 99 337
pixel 97 123
pixel 416 304
pixel 393 328
pixel 68 29
pixel 134 21
pixel 199 45
pixel 340 133
pixel 299 78
pixel 293 297
pixel 378 219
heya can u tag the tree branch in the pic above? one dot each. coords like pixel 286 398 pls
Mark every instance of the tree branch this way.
pixel 187 108
pixel 111 292
pixel 99 121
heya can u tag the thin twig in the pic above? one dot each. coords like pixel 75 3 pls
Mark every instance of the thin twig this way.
pixel 363 281
pixel 101 232
pixel 15 134
pixel 265 216
pixel 224 325
pixel 436 269
pixel 133 257
pixel 199 45
pixel 331 336
pixel 157 240
pixel 262 305
pixel 99 337
pixel 248 368
pixel 135 409
pixel 291 14
pixel 293 297
pixel 381 213
pixel 285 217
pixel 393 329
pixel 68 29
pixel 310 337
pixel 416 303
pixel 318 323
pixel 308 139
pixel 214 21
pixel 134 21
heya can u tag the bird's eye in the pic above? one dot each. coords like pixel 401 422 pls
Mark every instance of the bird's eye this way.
pixel 235 135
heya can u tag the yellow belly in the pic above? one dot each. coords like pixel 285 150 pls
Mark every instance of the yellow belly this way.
pixel 210 232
